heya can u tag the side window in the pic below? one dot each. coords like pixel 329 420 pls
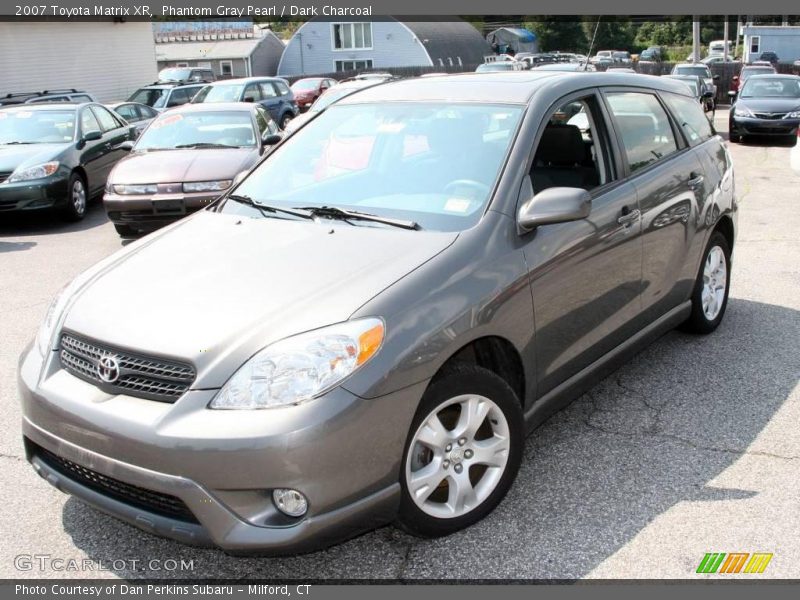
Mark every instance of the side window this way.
pixel 88 122
pixel 128 112
pixel 251 93
pixel 146 112
pixel 178 96
pixel 261 123
pixel 268 90
pixel 643 126
pixel 283 89
pixel 106 119
pixel 573 150
pixel 691 118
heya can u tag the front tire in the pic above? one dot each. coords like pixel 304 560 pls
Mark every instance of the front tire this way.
pixel 285 120
pixel 77 198
pixel 462 453
pixel 710 295
pixel 125 231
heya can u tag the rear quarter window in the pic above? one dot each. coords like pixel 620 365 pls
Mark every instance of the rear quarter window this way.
pixel 690 117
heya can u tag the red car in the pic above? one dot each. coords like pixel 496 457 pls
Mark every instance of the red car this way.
pixel 747 70
pixel 309 89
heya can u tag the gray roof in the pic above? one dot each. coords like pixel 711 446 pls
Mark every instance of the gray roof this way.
pixel 208 50
pixel 514 87
pixel 450 40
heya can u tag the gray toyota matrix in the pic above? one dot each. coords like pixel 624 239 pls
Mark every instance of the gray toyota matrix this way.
pixel 364 329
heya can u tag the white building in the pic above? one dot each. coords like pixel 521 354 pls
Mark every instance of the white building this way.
pixel 108 59
pixel 783 40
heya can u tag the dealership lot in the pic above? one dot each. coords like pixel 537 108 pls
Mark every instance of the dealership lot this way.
pixel 690 448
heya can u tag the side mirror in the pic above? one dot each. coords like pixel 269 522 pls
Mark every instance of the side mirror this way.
pixel 248 99
pixel 127 145
pixel 708 94
pixel 735 78
pixel 271 139
pixel 715 78
pixel 554 205
pixel 732 93
pixel 91 136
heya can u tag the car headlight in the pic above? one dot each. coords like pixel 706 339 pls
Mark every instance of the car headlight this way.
pixel 135 189
pixel 742 112
pixel 207 186
pixel 44 336
pixel 35 172
pixel 301 367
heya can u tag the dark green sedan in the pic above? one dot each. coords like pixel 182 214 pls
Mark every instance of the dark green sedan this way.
pixel 58 156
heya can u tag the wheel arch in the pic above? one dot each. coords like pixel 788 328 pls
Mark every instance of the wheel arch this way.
pixel 494 353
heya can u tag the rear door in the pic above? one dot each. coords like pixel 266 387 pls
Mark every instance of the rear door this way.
pixel 270 99
pixel 92 153
pixel 668 176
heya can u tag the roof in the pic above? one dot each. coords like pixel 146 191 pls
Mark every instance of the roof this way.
pixel 450 40
pixel 43 106
pixel 208 50
pixel 242 80
pixel 213 107
pixel 516 87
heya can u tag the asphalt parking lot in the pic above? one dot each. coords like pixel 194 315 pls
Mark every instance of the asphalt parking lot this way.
pixel 692 447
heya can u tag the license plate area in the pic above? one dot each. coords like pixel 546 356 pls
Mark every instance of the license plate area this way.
pixel 172 206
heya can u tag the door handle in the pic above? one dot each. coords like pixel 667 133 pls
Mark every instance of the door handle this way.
pixel 628 216
pixel 695 180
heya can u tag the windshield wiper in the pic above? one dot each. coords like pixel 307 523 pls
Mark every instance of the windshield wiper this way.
pixel 266 208
pixel 16 143
pixel 205 145
pixel 333 212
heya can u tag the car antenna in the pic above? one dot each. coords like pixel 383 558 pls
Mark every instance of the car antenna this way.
pixel 591 45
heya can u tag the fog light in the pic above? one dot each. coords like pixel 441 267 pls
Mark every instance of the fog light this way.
pixel 290 502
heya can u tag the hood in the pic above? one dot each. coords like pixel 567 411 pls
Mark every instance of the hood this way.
pixel 770 104
pixel 217 288
pixel 167 166
pixel 28 155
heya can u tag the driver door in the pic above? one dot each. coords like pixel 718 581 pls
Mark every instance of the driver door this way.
pixel 585 275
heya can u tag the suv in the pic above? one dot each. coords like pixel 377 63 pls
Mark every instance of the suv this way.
pixel 652 54
pixel 165 94
pixel 70 95
pixel 769 57
pixel 273 93
pixel 187 74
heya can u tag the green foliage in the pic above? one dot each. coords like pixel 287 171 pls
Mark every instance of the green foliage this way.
pixel 557 34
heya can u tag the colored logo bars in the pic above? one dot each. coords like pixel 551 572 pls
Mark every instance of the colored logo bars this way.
pixel 734 562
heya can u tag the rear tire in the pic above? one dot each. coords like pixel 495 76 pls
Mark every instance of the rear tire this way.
pixel 462 454
pixel 710 295
pixel 285 120
pixel 77 198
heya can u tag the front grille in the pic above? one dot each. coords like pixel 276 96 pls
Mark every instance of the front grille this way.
pixel 769 115
pixel 146 377
pixel 153 502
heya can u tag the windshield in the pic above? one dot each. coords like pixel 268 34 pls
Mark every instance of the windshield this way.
pixel 435 164
pixel 771 87
pixel 149 96
pixel 174 74
pixel 220 93
pixel 306 85
pixel 37 126
pixel 206 128
pixel 699 71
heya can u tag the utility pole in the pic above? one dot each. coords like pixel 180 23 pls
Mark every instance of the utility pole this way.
pixel 695 39
pixel 736 43
pixel 725 36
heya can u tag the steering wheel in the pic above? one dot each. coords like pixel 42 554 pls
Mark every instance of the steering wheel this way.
pixel 481 189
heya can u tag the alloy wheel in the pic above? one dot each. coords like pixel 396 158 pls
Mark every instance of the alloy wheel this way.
pixel 78 197
pixel 715 275
pixel 457 456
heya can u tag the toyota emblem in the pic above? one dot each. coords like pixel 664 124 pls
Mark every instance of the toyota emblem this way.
pixel 108 368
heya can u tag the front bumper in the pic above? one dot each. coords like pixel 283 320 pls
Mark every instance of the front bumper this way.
pixel 756 126
pixel 343 452
pixel 149 212
pixel 35 194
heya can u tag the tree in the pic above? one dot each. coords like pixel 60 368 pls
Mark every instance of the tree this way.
pixel 554 33
pixel 612 34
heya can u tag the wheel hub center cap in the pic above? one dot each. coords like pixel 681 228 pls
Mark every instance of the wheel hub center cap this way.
pixel 457 455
